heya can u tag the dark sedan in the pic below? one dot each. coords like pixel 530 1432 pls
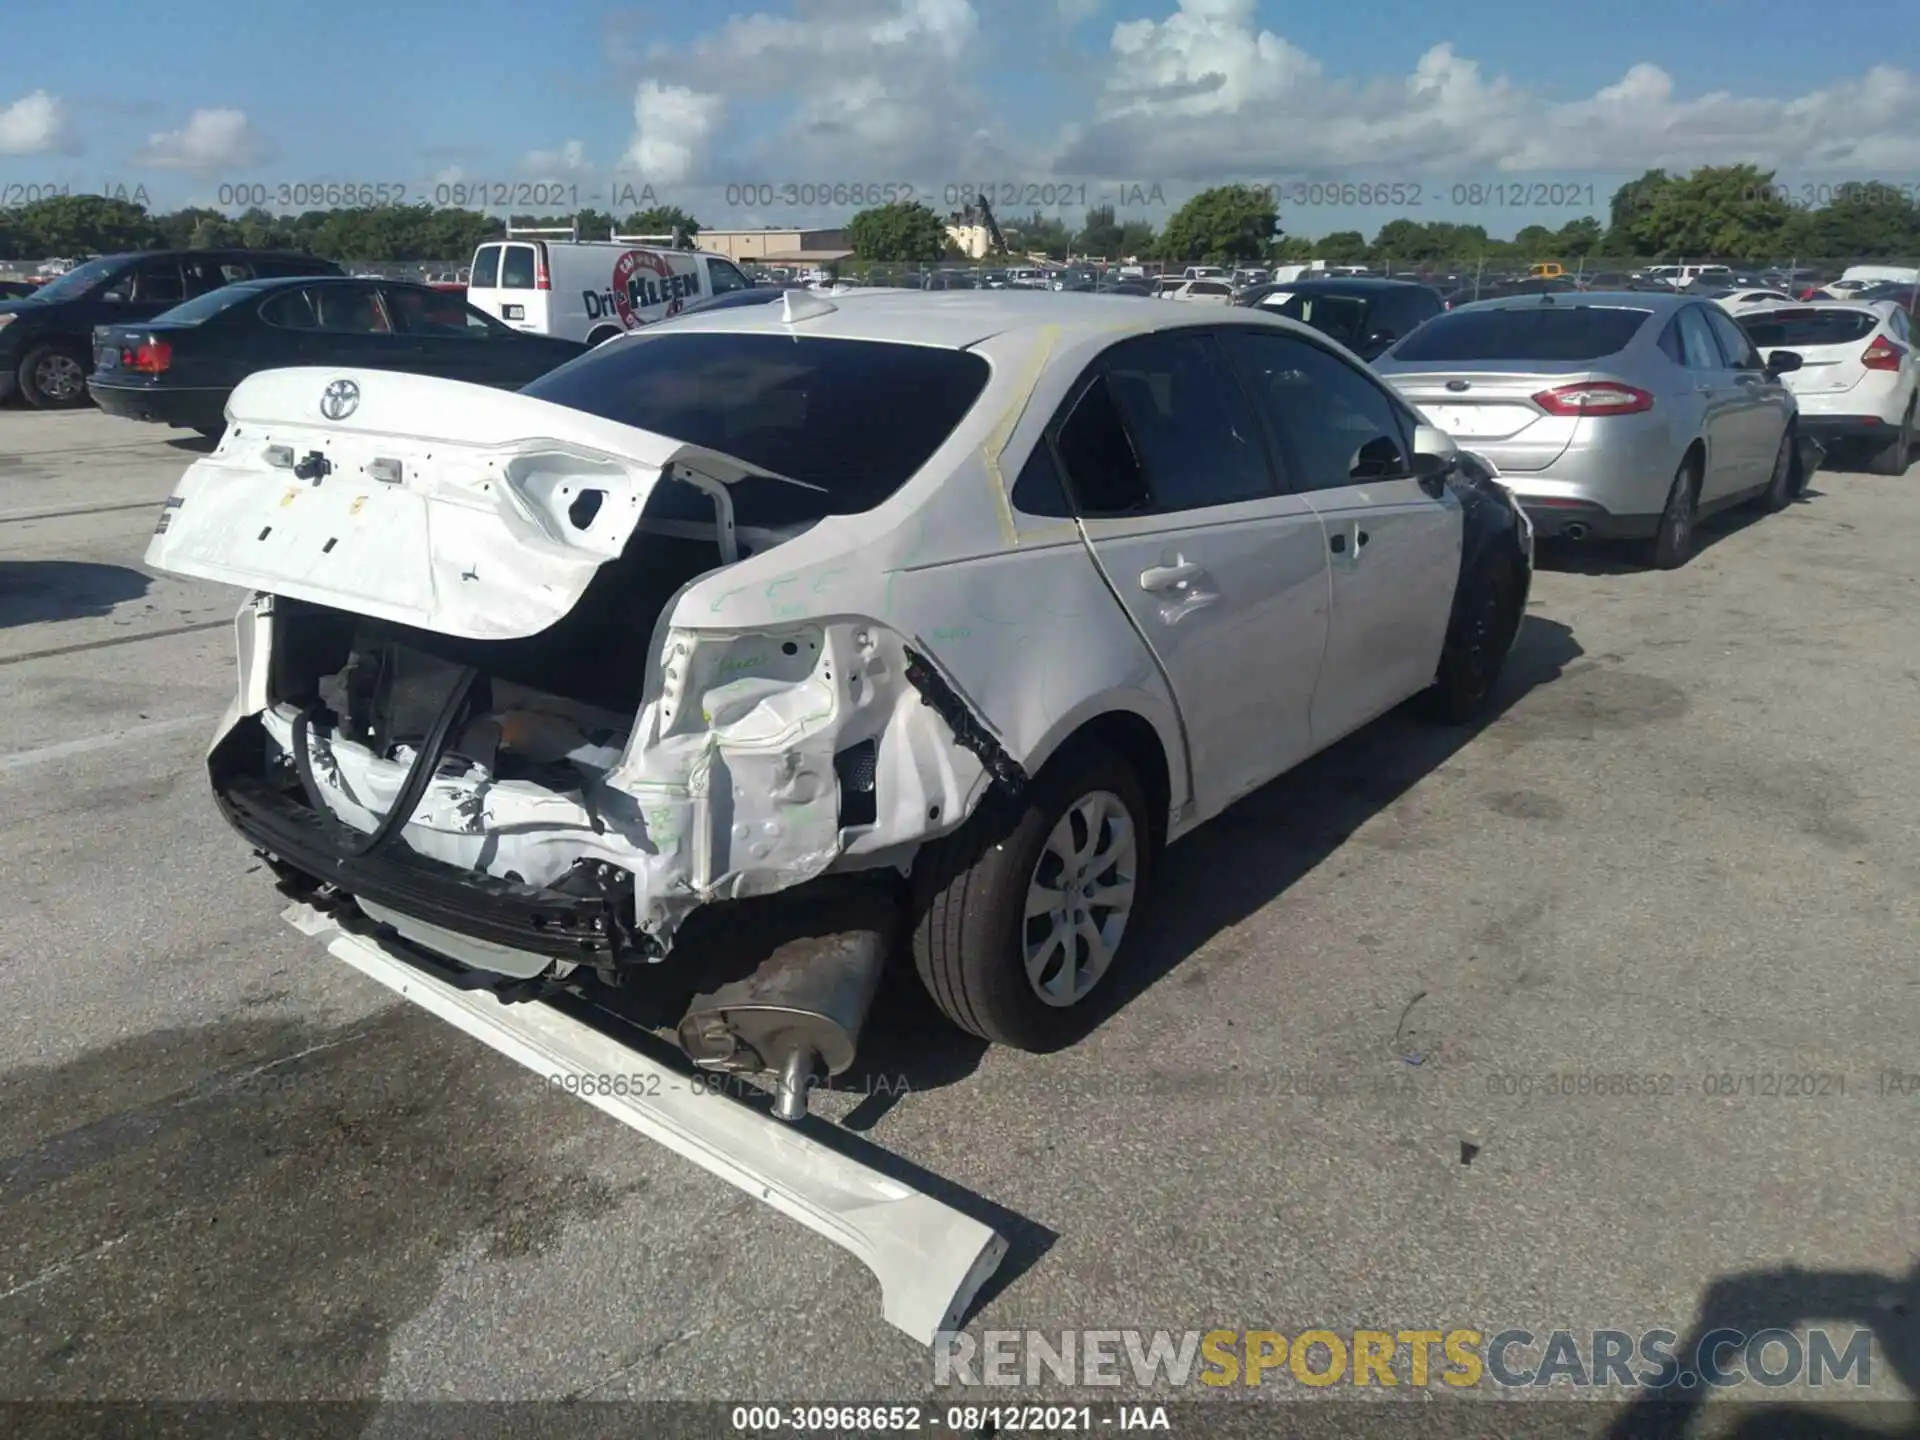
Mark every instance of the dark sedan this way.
pixel 17 289
pixel 179 368
pixel 1364 313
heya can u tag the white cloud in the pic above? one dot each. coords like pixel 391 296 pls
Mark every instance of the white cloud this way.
pixel 874 90
pixel 1204 94
pixel 570 158
pixel 452 175
pixel 672 128
pixel 210 140
pixel 37 124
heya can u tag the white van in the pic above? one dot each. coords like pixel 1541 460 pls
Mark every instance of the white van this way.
pixel 1683 277
pixel 551 282
pixel 1874 274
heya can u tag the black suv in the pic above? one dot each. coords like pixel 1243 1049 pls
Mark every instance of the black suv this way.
pixel 46 339
pixel 1365 313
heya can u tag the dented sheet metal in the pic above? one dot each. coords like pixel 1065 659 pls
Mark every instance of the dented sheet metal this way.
pixel 929 1258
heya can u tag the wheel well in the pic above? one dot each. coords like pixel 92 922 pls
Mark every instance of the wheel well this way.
pixel 1695 461
pixel 603 334
pixel 1136 742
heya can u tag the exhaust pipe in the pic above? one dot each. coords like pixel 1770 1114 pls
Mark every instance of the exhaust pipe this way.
pixel 801 1009
pixel 1575 531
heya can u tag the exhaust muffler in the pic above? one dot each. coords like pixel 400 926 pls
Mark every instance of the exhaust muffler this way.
pixel 1576 531
pixel 800 1009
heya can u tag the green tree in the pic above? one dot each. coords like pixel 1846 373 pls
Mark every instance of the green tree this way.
pixel 1731 212
pixel 659 220
pixel 1038 234
pixel 1537 242
pixel 1863 221
pixel 902 231
pixel 1408 240
pixel 1215 227
pixel 1579 238
pixel 1100 234
pixel 1343 247
pixel 84 224
pixel 1137 241
pixel 1629 212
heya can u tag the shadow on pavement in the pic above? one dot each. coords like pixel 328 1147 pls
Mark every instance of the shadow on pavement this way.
pixel 35 592
pixel 1833 1301
pixel 1225 871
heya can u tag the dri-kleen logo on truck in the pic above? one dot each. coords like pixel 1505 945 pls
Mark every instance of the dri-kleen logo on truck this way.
pixel 642 280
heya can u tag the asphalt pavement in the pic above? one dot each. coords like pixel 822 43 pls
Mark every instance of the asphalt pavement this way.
pixel 1687 846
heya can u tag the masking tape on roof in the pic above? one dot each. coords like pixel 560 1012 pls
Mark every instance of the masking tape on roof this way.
pixel 1010 421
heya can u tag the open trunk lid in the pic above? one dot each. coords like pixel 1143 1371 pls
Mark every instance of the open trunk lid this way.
pixel 432 503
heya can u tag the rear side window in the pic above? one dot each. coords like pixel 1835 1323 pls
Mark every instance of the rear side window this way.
pixel 855 418
pixel 1531 332
pixel 1099 458
pixel 486 268
pixel 290 310
pixel 1340 316
pixel 516 267
pixel 1793 328
pixel 275 269
pixel 1191 423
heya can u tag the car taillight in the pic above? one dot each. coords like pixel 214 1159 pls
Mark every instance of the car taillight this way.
pixel 1594 399
pixel 541 279
pixel 149 357
pixel 1883 354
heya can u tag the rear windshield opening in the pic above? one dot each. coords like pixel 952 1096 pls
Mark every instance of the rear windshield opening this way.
pixel 205 307
pixel 1570 332
pixel 1809 327
pixel 855 418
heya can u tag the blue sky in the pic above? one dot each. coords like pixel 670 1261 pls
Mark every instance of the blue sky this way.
pixel 1090 99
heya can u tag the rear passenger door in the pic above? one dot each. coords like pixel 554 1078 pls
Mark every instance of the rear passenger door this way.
pixel 1722 403
pixel 353 329
pixel 1766 404
pixel 1223 574
pixel 1393 544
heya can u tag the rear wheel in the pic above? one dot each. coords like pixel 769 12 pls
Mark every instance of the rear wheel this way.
pixel 1672 544
pixel 602 336
pixel 1020 914
pixel 1892 460
pixel 53 376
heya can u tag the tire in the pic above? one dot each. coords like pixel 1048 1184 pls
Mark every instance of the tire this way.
pixel 53 376
pixel 601 337
pixel 971 932
pixel 1476 649
pixel 1672 544
pixel 1785 484
pixel 1892 459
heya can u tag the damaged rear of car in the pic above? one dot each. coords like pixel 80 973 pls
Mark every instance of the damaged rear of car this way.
pixel 526 688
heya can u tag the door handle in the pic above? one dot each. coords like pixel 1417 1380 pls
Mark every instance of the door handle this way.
pixel 1177 576
pixel 1338 543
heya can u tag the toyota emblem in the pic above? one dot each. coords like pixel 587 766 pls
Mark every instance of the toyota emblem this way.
pixel 341 399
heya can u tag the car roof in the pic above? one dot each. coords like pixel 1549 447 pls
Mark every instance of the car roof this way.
pixel 1866 307
pixel 960 319
pixel 1347 284
pixel 1655 300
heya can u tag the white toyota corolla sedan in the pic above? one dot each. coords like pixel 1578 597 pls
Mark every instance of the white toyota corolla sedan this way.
pixel 716 662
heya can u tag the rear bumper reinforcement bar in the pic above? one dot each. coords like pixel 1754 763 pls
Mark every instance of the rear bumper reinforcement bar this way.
pixel 930 1259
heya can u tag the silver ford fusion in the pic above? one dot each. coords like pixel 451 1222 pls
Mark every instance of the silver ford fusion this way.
pixel 1623 416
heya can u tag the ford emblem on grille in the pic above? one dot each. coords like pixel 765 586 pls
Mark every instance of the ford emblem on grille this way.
pixel 341 399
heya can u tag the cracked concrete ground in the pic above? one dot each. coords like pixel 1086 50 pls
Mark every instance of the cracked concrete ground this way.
pixel 1686 849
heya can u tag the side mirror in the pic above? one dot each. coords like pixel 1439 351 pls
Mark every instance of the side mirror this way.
pixel 1435 457
pixel 1783 362
pixel 115 296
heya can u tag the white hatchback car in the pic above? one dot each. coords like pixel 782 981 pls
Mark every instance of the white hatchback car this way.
pixel 715 659
pixel 1858 375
